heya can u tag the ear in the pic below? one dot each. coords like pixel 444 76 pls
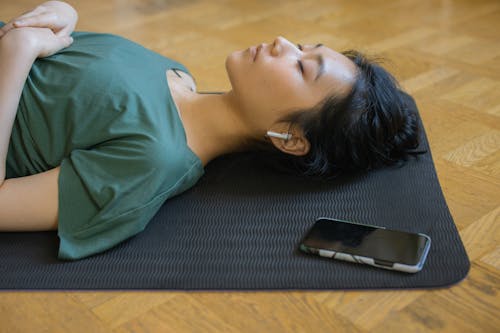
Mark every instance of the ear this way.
pixel 297 145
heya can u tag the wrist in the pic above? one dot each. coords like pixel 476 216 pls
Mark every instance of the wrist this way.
pixel 20 44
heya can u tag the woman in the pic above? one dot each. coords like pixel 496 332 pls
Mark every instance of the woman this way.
pixel 96 132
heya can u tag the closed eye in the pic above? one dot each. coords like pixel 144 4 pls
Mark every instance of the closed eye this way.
pixel 300 47
pixel 299 63
pixel 301 66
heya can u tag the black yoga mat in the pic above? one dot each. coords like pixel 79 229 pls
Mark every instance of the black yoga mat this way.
pixel 240 227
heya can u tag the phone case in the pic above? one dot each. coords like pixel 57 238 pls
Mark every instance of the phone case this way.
pixel 371 261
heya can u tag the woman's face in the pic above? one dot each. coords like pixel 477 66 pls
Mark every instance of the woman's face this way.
pixel 271 80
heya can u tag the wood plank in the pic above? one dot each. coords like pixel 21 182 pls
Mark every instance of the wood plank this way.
pixel 482 236
pixel 241 313
pixel 445 53
pixel 492 258
pixel 46 312
pixel 472 306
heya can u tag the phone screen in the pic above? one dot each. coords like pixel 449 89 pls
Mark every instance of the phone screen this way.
pixel 378 243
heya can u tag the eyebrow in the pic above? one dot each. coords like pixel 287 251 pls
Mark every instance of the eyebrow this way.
pixel 321 64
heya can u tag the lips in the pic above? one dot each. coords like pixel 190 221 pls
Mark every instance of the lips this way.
pixel 254 51
pixel 257 51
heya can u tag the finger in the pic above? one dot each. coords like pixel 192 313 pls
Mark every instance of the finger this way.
pixel 31 19
pixel 6 28
pixel 27 14
pixel 55 46
pixel 44 20
pixel 64 42
pixel 66 31
pixel 10 25
pixel 67 41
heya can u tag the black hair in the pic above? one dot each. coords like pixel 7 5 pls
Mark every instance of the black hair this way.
pixel 369 127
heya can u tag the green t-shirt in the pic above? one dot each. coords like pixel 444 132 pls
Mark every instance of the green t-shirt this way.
pixel 102 110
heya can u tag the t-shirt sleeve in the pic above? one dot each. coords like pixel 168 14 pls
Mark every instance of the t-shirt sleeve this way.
pixel 108 194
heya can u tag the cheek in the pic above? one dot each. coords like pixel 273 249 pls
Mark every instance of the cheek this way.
pixel 266 86
pixel 276 82
pixel 285 89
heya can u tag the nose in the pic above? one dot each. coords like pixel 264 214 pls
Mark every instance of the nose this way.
pixel 281 45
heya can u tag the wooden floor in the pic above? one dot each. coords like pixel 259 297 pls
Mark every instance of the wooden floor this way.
pixel 446 53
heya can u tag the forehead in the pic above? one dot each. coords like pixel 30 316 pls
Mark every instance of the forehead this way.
pixel 339 72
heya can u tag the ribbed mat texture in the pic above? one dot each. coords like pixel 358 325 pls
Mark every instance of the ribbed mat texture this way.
pixel 240 227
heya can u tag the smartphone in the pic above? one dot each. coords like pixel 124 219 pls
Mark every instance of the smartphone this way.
pixel 367 244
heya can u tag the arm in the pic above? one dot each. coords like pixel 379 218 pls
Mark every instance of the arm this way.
pixel 20 45
pixel 15 63
pixel 30 203
pixel 26 203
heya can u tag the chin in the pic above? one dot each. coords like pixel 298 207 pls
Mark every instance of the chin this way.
pixel 228 61
pixel 233 59
pixel 232 63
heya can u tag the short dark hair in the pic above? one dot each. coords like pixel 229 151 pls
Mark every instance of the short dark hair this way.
pixel 369 127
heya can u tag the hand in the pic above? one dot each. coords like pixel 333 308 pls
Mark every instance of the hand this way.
pixel 39 42
pixel 57 16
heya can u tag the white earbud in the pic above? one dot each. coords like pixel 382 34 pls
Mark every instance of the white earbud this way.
pixel 284 136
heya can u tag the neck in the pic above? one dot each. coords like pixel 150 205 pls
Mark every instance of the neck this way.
pixel 212 124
